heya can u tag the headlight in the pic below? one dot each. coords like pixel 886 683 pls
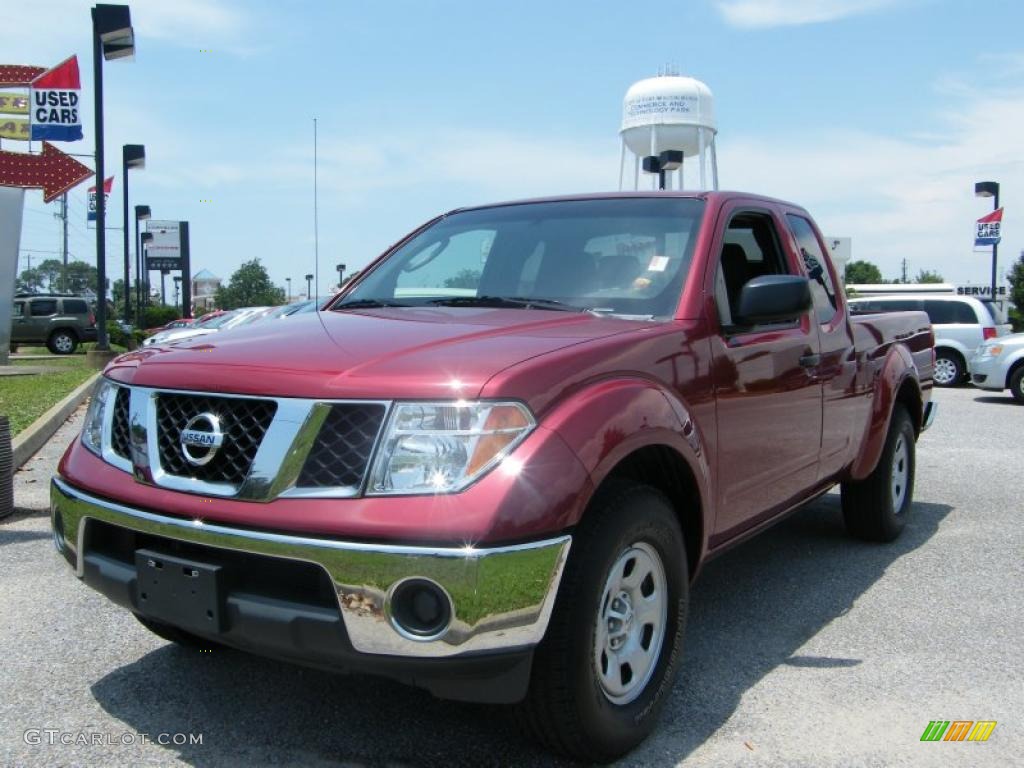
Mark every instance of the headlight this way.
pixel 96 416
pixel 443 447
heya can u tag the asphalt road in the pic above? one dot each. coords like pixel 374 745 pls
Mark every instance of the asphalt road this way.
pixel 804 648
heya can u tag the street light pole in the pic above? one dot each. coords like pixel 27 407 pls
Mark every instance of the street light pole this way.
pixel 141 212
pixel 991 189
pixel 289 281
pixel 112 38
pixel 101 203
pixel 132 156
pixel 309 289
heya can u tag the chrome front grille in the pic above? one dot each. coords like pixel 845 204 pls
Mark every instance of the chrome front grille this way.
pixel 341 453
pixel 244 423
pixel 119 434
pixel 268 447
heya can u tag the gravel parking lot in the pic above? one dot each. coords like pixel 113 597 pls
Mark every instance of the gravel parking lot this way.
pixel 804 647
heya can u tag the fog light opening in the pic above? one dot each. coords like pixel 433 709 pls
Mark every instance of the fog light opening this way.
pixel 419 609
pixel 57 525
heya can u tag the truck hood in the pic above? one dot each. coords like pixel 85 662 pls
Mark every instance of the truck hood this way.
pixel 435 352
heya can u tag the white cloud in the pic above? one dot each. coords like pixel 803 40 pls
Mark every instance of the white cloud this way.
pixel 900 197
pixel 44 31
pixel 780 13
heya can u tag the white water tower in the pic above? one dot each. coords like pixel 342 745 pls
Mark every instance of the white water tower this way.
pixel 666 121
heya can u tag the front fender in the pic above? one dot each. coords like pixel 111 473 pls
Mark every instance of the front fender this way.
pixel 610 419
pixel 895 370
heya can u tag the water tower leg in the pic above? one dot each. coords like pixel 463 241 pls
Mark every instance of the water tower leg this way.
pixel 622 160
pixel 714 163
pixel 701 151
pixel 636 173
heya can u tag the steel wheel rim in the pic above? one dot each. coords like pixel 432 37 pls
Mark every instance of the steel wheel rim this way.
pixel 630 623
pixel 945 371
pixel 62 343
pixel 900 475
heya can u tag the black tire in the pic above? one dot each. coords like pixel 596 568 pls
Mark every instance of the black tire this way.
pixel 174 634
pixel 62 342
pixel 873 509
pixel 1017 385
pixel 14 348
pixel 949 368
pixel 566 708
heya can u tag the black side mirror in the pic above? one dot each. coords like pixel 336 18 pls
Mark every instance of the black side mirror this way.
pixel 773 299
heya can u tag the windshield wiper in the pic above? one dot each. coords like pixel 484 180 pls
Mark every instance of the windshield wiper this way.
pixel 518 302
pixel 368 304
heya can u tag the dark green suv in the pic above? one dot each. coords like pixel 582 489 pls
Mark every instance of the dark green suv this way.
pixel 61 322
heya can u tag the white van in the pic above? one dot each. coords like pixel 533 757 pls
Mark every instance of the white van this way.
pixel 961 324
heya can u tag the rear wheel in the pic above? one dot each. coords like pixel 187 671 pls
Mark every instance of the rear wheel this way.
pixel 62 342
pixel 1017 385
pixel 612 649
pixel 949 368
pixel 875 508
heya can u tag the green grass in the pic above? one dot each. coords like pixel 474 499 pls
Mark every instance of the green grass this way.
pixel 23 399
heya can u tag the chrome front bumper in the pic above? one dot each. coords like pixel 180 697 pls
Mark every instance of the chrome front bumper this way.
pixel 501 597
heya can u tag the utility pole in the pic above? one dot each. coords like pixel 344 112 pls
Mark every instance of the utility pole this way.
pixel 64 244
pixel 904 271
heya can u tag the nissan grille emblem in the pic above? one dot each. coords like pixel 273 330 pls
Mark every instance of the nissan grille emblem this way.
pixel 201 439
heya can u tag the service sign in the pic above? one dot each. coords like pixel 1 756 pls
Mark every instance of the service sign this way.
pixel 989 230
pixel 108 185
pixel 54 103
pixel 164 250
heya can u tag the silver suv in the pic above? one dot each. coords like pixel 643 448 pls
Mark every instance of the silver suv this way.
pixel 961 324
pixel 999 364
pixel 58 321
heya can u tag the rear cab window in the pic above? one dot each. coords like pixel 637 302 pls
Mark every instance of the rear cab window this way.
pixel 823 290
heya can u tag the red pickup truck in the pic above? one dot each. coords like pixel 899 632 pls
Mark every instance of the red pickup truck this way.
pixel 494 465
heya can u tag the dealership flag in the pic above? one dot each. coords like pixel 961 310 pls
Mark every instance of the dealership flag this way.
pixel 989 228
pixel 108 185
pixel 53 103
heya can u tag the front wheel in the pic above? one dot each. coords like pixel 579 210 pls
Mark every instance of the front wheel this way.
pixel 876 508
pixel 949 369
pixel 612 649
pixel 62 342
pixel 1017 385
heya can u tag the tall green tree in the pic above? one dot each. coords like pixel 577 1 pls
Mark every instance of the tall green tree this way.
pixel 249 286
pixel 1016 278
pixel 863 272
pixel 46 277
pixel 929 276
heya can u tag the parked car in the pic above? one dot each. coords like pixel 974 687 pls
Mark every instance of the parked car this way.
pixel 504 495
pixel 998 364
pixel 222 322
pixel 961 324
pixel 183 322
pixel 60 321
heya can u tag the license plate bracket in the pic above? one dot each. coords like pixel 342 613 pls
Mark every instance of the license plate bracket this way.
pixel 179 591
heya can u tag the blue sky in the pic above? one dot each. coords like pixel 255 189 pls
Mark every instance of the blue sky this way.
pixel 877 115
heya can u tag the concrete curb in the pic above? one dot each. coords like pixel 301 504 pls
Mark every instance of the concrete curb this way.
pixel 34 436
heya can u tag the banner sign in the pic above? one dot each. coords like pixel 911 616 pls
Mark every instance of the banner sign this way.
pixel 53 100
pixel 164 250
pixel 14 128
pixel 108 185
pixel 13 103
pixel 989 230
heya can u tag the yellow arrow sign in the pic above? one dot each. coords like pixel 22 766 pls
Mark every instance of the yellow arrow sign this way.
pixel 13 103
pixel 13 128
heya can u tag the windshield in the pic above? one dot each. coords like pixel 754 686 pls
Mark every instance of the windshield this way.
pixel 217 322
pixel 623 256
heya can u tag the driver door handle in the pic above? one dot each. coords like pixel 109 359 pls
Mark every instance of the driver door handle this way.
pixel 810 361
